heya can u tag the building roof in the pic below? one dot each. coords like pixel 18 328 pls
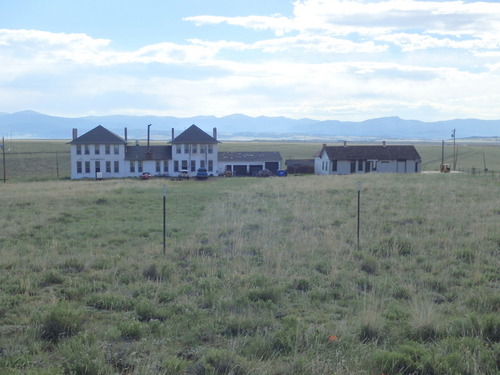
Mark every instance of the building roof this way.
pixel 99 135
pixel 372 152
pixel 194 134
pixel 141 153
pixel 299 162
pixel 249 156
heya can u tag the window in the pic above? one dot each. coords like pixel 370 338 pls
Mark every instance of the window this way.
pixel 108 167
pixel 165 166
pixel 193 166
pixel 87 167
pixel 178 149
pixel 132 166
pixel 97 166
pixel 186 149
pixel 202 149
pixel 140 165
pixel 158 166
pixel 210 165
pixel 116 167
pixel 334 165
pixel 78 149
pixel 195 149
pixel 202 164
pixel 184 164
pixel 87 149
pixel 78 167
pixel 116 149
pixel 210 149
pixel 107 149
pixel 96 149
pixel 360 165
pixel 176 166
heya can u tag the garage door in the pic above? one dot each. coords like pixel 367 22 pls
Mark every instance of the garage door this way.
pixel 254 169
pixel 273 166
pixel 239 170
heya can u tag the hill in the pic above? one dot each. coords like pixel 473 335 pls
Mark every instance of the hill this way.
pixel 34 125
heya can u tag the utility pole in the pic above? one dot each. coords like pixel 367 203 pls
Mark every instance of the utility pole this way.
pixel 359 206
pixel 164 219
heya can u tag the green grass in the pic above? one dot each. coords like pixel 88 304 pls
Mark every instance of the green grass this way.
pixel 261 276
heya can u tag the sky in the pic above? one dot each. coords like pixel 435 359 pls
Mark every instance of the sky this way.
pixel 347 60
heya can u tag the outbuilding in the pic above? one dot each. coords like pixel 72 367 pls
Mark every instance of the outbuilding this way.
pixel 354 159
pixel 248 163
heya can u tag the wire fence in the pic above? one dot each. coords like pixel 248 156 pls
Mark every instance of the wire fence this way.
pixel 481 172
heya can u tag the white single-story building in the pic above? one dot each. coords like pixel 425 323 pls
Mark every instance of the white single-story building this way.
pixel 383 158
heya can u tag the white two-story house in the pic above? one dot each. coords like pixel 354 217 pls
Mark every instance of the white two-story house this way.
pixel 101 153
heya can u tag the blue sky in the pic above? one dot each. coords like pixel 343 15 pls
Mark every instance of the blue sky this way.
pixel 321 59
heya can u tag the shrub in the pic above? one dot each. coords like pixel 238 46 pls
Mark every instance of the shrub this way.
pixel 369 265
pixel 301 284
pixel 264 294
pixel 468 326
pixel 174 366
pixel 147 311
pixel 408 359
pixel 51 278
pixel 72 265
pixel 61 321
pixel 491 327
pixel 218 362
pixel 82 356
pixel 130 330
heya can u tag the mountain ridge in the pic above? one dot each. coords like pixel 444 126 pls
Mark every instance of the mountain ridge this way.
pixel 34 125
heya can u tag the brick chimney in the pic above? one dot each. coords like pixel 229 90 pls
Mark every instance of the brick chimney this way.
pixel 126 136
pixel 75 133
pixel 215 133
pixel 173 133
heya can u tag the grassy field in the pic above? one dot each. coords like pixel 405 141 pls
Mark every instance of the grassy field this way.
pixel 48 160
pixel 260 276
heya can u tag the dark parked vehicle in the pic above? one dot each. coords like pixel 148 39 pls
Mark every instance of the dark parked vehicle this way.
pixel 146 176
pixel 202 174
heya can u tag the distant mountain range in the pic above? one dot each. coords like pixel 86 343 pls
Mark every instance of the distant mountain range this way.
pixel 34 125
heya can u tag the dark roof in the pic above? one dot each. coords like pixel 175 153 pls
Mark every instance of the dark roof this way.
pixel 194 134
pixel 372 152
pixel 299 162
pixel 249 156
pixel 141 153
pixel 99 135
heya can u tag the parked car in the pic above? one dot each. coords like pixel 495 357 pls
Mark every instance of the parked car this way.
pixel 184 174
pixel 146 176
pixel 202 174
